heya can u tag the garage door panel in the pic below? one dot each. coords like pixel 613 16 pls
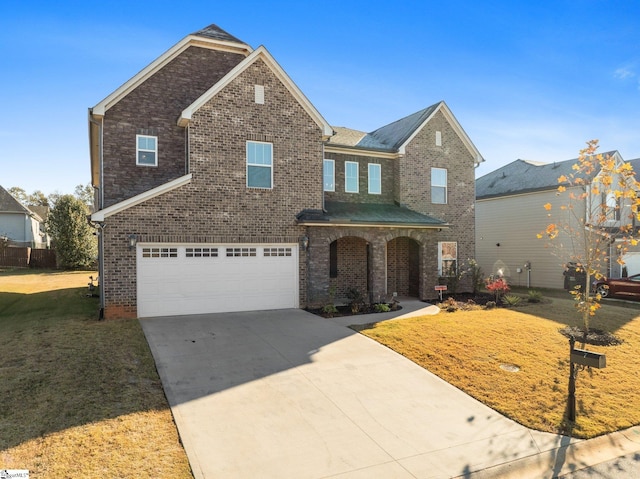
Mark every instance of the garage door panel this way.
pixel 195 279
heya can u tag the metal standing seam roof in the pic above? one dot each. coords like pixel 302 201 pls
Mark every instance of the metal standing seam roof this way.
pixel 368 213
pixel 523 176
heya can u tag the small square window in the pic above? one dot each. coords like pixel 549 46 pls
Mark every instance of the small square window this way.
pixel 329 175
pixel 259 165
pixel 146 150
pixel 351 179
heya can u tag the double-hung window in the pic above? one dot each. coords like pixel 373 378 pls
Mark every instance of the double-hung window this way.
pixel 351 177
pixel 329 175
pixel 375 179
pixel 146 150
pixel 259 165
pixel 447 258
pixel 439 185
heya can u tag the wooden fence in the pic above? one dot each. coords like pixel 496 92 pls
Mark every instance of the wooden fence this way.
pixel 27 258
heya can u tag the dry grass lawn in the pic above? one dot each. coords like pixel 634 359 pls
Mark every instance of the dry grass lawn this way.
pixel 467 349
pixel 80 397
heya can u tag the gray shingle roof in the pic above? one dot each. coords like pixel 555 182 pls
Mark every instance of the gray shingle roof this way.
pixel 389 137
pixel 368 213
pixel 523 176
pixel 217 33
pixel 9 204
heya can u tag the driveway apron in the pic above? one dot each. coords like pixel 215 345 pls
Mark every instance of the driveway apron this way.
pixel 286 394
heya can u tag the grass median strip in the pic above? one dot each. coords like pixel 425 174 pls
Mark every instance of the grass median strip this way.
pixel 81 398
pixel 517 362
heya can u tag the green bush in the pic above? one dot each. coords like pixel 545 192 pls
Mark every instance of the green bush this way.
pixel 534 296
pixel 381 308
pixel 511 300
pixel 329 310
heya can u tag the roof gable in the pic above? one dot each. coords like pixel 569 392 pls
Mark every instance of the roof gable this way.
pixel 8 204
pixel 395 136
pixel 211 37
pixel 262 54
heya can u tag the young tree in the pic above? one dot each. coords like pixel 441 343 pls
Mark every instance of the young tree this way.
pixel 85 194
pixel 595 225
pixel 75 244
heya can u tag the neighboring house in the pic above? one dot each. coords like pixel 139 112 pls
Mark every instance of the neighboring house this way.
pixel 510 213
pixel 22 225
pixel 220 187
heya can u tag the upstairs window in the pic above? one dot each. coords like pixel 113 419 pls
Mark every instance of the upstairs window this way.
pixel 439 186
pixel 610 206
pixel 329 175
pixel 351 177
pixel 259 165
pixel 146 150
pixel 375 179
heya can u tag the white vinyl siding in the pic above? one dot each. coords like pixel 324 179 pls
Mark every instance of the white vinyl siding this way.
pixel 351 179
pixel 375 179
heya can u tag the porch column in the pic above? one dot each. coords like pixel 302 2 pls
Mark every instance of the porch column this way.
pixel 377 270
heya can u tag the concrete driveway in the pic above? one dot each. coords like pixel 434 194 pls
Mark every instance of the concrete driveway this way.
pixel 286 394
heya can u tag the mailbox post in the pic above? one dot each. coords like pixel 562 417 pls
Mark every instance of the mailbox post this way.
pixel 580 357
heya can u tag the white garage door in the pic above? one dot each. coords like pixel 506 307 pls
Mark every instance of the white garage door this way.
pixel 196 279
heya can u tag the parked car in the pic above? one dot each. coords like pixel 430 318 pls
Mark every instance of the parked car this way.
pixel 628 287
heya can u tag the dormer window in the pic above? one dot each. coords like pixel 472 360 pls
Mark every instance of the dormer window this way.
pixel 146 150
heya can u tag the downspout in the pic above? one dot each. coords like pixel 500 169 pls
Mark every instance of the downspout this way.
pixel 99 199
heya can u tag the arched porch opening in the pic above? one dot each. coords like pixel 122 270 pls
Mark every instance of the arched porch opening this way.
pixel 349 258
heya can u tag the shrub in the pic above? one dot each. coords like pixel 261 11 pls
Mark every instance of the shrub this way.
pixel 356 300
pixel 490 304
pixel 534 296
pixel 381 308
pixel 450 305
pixel 475 272
pixel 329 310
pixel 497 286
pixel 511 300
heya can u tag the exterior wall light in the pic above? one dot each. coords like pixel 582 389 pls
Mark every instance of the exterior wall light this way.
pixel 304 243
pixel 133 240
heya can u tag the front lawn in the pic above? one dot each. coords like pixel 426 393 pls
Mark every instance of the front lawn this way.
pixel 478 352
pixel 80 397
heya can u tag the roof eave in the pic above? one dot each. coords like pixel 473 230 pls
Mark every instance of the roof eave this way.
pixel 190 40
pixel 368 224
pixel 263 53
pixel 361 151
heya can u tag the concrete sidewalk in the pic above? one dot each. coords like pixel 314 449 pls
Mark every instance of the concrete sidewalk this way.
pixel 286 394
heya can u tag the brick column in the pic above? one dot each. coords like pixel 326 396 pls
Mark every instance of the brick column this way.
pixel 377 269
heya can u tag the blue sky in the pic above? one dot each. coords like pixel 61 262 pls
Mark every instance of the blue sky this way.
pixel 528 80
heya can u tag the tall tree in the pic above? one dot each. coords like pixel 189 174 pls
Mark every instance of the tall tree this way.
pixel 595 223
pixel 19 194
pixel 75 244
pixel 85 194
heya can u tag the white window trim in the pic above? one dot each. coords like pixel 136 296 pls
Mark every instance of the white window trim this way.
pixel 333 175
pixel 138 150
pixel 440 258
pixel 445 186
pixel 270 166
pixel 375 166
pixel 346 178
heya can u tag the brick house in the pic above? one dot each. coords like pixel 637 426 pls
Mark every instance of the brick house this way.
pixel 220 187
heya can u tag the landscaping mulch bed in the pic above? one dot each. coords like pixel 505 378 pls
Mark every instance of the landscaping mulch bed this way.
pixel 346 311
pixel 595 337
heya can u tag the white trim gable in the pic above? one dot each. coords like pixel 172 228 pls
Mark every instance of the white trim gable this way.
pixel 191 40
pixel 99 216
pixel 263 54
pixel 442 107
